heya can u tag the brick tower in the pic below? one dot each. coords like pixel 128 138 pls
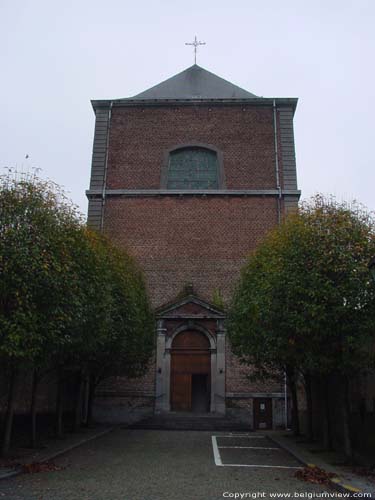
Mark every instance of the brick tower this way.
pixel 189 176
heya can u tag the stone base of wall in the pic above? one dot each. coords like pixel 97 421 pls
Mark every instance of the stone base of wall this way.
pixel 130 409
pixel 241 415
pixel 122 410
pixel 278 412
pixel 241 410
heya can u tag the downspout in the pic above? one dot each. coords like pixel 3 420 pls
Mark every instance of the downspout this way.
pixel 279 197
pixel 106 167
pixel 277 171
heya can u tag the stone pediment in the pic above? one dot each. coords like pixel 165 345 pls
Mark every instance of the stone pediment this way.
pixel 190 307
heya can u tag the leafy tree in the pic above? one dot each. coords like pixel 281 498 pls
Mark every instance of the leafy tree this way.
pixel 69 300
pixel 218 300
pixel 128 347
pixel 85 298
pixel 34 220
pixel 305 302
pixel 111 332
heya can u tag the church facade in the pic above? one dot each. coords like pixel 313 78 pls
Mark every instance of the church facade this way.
pixel 189 176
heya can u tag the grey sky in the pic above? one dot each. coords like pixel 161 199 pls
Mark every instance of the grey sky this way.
pixel 56 56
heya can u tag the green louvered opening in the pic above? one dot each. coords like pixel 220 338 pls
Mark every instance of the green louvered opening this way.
pixel 193 168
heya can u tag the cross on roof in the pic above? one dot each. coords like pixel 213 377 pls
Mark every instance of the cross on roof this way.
pixel 195 44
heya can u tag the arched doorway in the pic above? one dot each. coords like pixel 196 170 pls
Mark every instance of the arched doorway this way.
pixel 190 372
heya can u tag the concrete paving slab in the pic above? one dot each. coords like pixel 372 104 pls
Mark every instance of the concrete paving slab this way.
pixel 261 458
pixel 150 465
pixel 227 440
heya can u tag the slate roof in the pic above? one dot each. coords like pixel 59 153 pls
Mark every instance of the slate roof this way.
pixel 194 83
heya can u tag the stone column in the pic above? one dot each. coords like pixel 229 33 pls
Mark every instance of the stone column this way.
pixel 220 367
pixel 160 395
pixel 167 380
pixel 213 379
pixel 274 413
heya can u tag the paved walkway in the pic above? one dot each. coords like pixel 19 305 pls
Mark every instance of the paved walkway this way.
pixel 53 447
pixel 309 454
pixel 161 465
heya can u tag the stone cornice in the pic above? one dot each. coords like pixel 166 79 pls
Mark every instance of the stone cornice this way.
pixel 290 102
pixel 92 193
pixel 248 395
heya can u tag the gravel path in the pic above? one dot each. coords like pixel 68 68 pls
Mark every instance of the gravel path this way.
pixel 153 465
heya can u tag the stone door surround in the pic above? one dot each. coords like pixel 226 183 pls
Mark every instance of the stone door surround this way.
pixel 190 313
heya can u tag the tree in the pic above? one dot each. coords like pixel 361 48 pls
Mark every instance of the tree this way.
pixel 128 347
pixel 69 300
pixel 35 219
pixel 86 300
pixel 305 302
pixel 111 332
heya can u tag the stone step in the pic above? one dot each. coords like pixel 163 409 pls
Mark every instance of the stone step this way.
pixel 207 422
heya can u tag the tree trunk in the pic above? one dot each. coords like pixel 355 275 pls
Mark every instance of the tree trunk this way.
pixel 293 391
pixel 348 447
pixel 33 407
pixel 78 403
pixel 85 398
pixel 295 413
pixel 91 398
pixel 327 434
pixel 309 404
pixel 59 403
pixel 10 411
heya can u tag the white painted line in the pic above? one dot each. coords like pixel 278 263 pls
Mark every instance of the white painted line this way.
pixel 264 466
pixel 216 451
pixel 250 447
pixel 251 434
pixel 219 462
pixel 240 436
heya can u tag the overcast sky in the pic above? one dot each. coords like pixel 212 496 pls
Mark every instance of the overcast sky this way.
pixel 57 55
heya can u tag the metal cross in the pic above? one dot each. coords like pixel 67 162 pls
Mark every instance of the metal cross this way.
pixel 196 43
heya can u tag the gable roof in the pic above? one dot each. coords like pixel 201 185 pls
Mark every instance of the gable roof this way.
pixel 194 83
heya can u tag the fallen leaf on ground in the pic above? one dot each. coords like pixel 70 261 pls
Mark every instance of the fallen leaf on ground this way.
pixel 40 467
pixel 314 475
pixel 8 463
pixel 367 472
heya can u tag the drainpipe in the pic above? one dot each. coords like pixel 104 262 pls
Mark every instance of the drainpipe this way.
pixel 279 197
pixel 106 166
pixel 277 171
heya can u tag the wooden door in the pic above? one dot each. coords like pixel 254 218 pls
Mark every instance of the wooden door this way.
pixel 190 356
pixel 262 413
pixel 181 392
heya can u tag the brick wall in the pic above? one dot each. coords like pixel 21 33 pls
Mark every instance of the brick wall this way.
pixel 237 377
pixel 189 239
pixel 123 386
pixel 139 138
